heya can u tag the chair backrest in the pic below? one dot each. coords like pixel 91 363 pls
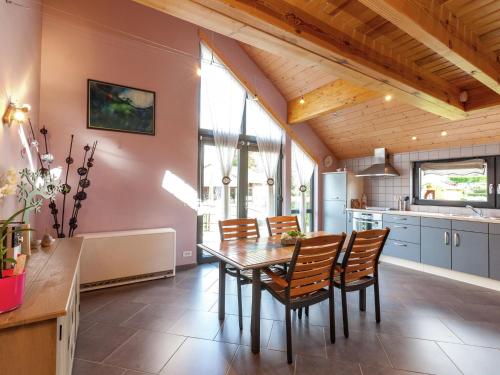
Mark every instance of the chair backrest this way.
pixel 278 225
pixel 362 253
pixel 313 262
pixel 234 229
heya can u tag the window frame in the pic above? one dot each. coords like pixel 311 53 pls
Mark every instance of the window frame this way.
pixel 492 177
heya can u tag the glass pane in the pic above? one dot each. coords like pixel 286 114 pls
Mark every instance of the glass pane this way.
pixel 212 203
pixel 296 197
pixel 452 182
pixel 258 191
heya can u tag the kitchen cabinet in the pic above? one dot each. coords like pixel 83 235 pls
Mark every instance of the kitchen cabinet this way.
pixel 403 232
pixel 436 246
pixel 469 252
pixel 494 244
pixel 402 219
pixel 403 250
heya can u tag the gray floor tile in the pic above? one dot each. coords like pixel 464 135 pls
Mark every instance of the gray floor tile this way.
pixel 81 367
pixel 267 362
pixel 320 366
pixel 472 360
pixel 307 339
pixel 417 355
pixel 100 340
pixel 146 351
pixel 196 354
pixel 230 331
pixel 475 333
pixel 155 317
pixel 200 324
pixel 115 312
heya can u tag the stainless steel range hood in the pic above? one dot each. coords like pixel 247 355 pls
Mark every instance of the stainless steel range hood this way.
pixel 381 166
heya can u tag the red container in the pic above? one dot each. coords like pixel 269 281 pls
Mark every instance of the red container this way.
pixel 11 290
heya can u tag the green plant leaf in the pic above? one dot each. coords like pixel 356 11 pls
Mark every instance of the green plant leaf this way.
pixel 10 260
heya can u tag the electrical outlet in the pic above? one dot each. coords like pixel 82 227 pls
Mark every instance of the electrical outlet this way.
pixel 186 254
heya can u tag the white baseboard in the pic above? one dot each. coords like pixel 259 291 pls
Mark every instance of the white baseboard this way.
pixel 450 274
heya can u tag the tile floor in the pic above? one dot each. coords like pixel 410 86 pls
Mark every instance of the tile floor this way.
pixel 430 325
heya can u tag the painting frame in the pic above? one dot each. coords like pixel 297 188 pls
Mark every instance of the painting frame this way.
pixel 151 132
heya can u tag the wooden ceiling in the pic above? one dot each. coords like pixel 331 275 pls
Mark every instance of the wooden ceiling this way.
pixel 438 59
pixel 290 78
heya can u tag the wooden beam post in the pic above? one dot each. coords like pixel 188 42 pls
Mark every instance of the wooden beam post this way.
pixel 329 98
pixel 437 28
pixel 243 21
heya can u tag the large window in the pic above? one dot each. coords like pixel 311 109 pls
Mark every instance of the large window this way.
pixel 239 153
pixel 456 182
pixel 302 189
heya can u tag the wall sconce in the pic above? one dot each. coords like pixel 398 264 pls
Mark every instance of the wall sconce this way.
pixel 15 112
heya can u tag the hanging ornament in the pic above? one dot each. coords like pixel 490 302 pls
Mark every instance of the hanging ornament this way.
pixel 226 180
pixel 303 188
pixel 270 181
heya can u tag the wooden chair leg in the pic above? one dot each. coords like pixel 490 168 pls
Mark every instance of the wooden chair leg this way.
pixel 240 307
pixel 332 316
pixel 377 301
pixel 306 309
pixel 288 319
pixel 344 311
pixel 300 313
pixel 362 299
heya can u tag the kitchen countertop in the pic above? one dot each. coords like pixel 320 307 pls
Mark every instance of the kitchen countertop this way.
pixel 493 220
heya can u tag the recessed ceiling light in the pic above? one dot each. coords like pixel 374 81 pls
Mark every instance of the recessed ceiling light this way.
pixel 414 138
pixel 388 97
pixel 302 100
pixel 444 133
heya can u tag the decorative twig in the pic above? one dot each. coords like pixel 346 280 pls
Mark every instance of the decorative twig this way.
pixel 83 183
pixel 66 188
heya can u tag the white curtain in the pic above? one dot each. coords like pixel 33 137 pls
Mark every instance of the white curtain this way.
pixel 223 97
pixel 269 137
pixel 304 169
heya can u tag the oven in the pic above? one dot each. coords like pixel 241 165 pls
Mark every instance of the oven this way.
pixel 366 221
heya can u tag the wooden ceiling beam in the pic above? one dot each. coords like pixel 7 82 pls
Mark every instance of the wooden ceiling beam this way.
pixel 440 30
pixel 328 98
pixel 289 35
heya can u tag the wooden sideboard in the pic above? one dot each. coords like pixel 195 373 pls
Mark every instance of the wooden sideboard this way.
pixel 40 336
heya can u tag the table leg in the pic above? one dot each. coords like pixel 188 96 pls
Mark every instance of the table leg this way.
pixel 255 324
pixel 222 290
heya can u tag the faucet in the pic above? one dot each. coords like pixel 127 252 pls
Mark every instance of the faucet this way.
pixel 477 211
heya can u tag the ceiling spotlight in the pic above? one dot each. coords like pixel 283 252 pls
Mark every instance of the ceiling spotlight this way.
pixel 444 133
pixel 15 112
pixel 414 138
pixel 388 97
pixel 302 100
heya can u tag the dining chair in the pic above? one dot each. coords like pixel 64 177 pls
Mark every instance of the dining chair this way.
pixel 309 279
pixel 277 225
pixel 359 269
pixel 237 229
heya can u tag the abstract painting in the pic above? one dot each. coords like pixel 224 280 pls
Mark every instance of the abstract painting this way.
pixel 120 108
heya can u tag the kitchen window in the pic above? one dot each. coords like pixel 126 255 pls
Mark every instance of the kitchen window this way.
pixel 457 182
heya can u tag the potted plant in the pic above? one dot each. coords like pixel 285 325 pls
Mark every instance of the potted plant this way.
pixel 11 282
pixel 290 237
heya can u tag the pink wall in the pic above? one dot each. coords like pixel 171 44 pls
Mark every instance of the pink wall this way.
pixel 20 35
pixel 89 39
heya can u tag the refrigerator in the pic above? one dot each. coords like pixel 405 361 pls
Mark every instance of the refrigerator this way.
pixel 338 190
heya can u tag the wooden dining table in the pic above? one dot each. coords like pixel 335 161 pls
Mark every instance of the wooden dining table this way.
pixel 251 254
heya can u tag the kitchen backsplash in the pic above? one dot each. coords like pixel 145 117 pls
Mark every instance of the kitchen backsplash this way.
pixel 384 191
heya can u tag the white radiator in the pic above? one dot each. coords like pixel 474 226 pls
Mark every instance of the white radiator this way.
pixel 114 258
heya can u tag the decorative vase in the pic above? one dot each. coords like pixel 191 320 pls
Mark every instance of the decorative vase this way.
pixel 11 290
